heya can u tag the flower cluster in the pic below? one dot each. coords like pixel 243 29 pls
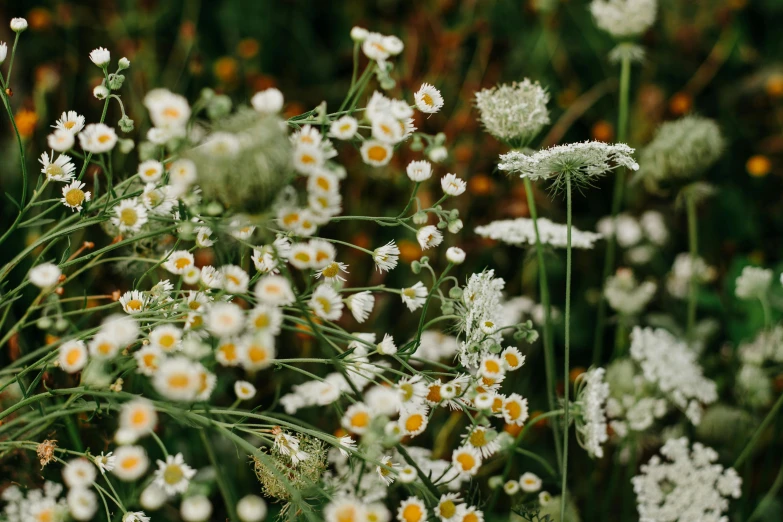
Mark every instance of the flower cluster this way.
pixel 522 231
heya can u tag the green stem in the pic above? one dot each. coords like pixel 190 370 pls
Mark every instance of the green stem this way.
pixel 225 490
pixel 746 452
pixel 693 243
pixel 549 350
pixel 566 352
pixel 768 498
pixel 617 203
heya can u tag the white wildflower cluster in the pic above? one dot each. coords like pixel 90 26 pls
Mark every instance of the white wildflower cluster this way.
pixel 37 504
pixel 581 161
pixel 479 312
pixel 683 270
pixel 754 382
pixel 686 484
pixel 670 364
pixel 591 426
pixel 521 231
pixel 625 295
pixel 624 18
pixel 642 237
pixel 514 113
pixel 753 283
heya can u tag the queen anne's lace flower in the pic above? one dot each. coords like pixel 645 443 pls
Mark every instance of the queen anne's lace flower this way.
pixel 753 282
pixel 671 365
pixel 520 231
pixel 686 485
pixel 514 113
pixel 625 295
pixel 591 424
pixel 481 302
pixel 624 18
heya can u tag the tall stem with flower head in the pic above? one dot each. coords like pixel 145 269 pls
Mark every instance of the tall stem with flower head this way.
pixel 566 351
pixel 549 350
pixel 617 203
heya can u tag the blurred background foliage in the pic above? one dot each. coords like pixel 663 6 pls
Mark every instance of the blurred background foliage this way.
pixel 717 58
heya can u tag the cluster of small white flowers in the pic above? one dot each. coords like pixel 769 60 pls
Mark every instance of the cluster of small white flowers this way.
pixel 588 159
pixel 754 384
pixel 641 236
pixel 687 484
pixel 481 303
pixel 679 279
pixel 36 504
pixel 591 424
pixel 521 231
pixel 624 18
pixel 514 113
pixel 625 295
pixel 753 282
pixel 671 366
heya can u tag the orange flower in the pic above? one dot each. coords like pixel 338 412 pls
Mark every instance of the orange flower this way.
pixel 409 251
pixel 248 48
pixel 480 185
pixel 680 103
pixel 758 166
pixel 25 122
pixel 226 69
pixel 39 19
pixel 603 131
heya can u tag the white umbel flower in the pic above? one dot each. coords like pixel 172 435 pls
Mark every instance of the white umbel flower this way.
pixel 60 169
pixel 45 275
pixel 100 57
pixel 521 231
pixel 514 113
pixel 428 99
pixel 625 295
pixel 624 18
pixel 753 283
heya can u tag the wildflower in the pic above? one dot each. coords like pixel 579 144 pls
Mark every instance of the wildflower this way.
pixel 274 290
pixel 386 129
pixel 515 409
pixel 521 231
pixel 625 296
pixel 481 302
pixel 326 303
pixel 168 111
pixel 135 516
pixel 386 257
pixel 470 514
pixel 97 138
pixel 414 296
pixel 624 18
pixel 512 358
pixel 105 462
pixel 591 424
pixel 482 439
pixel 455 255
pixel 177 379
pixel 129 216
pixel 101 92
pixel 124 329
pixel 60 169
pixel 3 51
pixel 74 196
pixel 82 503
pixel 251 508
pixel 529 482
pixel 150 171
pixel 345 509
pixel 100 57
pixel 466 460
pixel 133 301
pixel 753 283
pixel 681 150
pixel 195 508
pixel 331 272
pixel 429 236
pixel 428 99
pixel 419 171
pixel 178 261
pixel 511 487
pixel 79 473
pixel 244 390
pixel 18 24
pixel 131 463
pixel 235 280
pixel 412 510
pixel 452 185
pixel 265 318
pixel 387 346
pixel 103 346
pixel 356 418
pixel 182 173
pixel 60 140
pixel 376 153
pixel 683 270
pixel 152 497
pixel 269 101
pixel 686 484
pixel 174 475
pixel 73 356
pixel 138 416
pixel 323 182
pixel 514 113
pixel 45 275
pixel 344 128
pixel 225 319
pixel 360 304
pixel 257 352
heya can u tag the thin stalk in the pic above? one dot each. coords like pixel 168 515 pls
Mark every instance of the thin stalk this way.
pixel 693 244
pixel 566 351
pixel 549 350
pixel 224 488
pixel 769 497
pixel 746 452
pixel 617 203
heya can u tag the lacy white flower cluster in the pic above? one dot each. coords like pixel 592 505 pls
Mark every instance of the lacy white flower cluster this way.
pixel 37 504
pixel 579 160
pixel 684 268
pixel 514 113
pixel 686 485
pixel 753 282
pixel 591 427
pixel 754 382
pixel 642 236
pixel 625 295
pixel 480 310
pixel 521 231
pixel 624 18
pixel 671 365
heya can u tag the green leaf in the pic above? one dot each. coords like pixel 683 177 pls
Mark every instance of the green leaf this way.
pixel 16 204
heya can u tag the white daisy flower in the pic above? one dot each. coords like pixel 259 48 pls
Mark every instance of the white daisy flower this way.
pixel 530 482
pixel 452 185
pixel 455 255
pixel 419 171
pixel 182 173
pixel 179 261
pixel 174 475
pixel 225 319
pixel 387 346
pixel 361 304
pixel 79 473
pixel 331 272
pixel 413 422
pixel 251 508
pixel 135 516
pixel 244 390
pixel 302 256
pixel 466 460
pixel 131 463
pixel 60 169
pixel 82 504
pixel 385 128
pixel 268 101
pixel 356 418
pixel 18 24
pixel 412 509
pixel 274 290
pixel 227 351
pixel 45 275
pixel 323 182
pixel 257 352
pixel 74 195
pixel 168 111
pixel 386 257
pixel 326 303
pixel 148 360
pixel 97 138
pixel 376 153
pixel 429 237
pixel 386 470
pixel 129 216
pixel 100 57
pixel 195 508
pixel 105 462
pixel 414 296
pixel 150 171
pixel 103 346
pixel 138 416
pixel 235 280
pixel 515 409
pixel 167 337
pixel 344 128
pixel 72 356
pixel 204 239
pixel 448 507
pixel 177 379
pixel 71 122
pixel 60 140
pixel 482 439
pixel 133 301
pixel 428 99
pixel 512 358
pixel 308 158
pixel 265 318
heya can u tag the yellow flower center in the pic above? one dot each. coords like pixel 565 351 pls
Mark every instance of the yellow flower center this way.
pixel 256 354
pixel 229 351
pixel 134 304
pixel 73 356
pixel 104 138
pixel 130 463
pixel 412 513
pixel 167 340
pixel 427 99
pixel 466 461
pixel 261 321
pixel 179 380
pixel 53 170
pixel 477 438
pixel 414 423
pixel 74 197
pixel 447 509
pixel 514 409
pixel 377 153
pixel 331 270
pixel 69 124
pixel 182 262
pixel 139 418
pixel 173 474
pixel 129 216
pixel 360 419
pixel 326 306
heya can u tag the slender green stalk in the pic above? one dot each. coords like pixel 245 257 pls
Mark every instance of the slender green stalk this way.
pixel 746 452
pixel 549 350
pixel 617 203
pixel 693 243
pixel 769 497
pixel 566 354
pixel 225 490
